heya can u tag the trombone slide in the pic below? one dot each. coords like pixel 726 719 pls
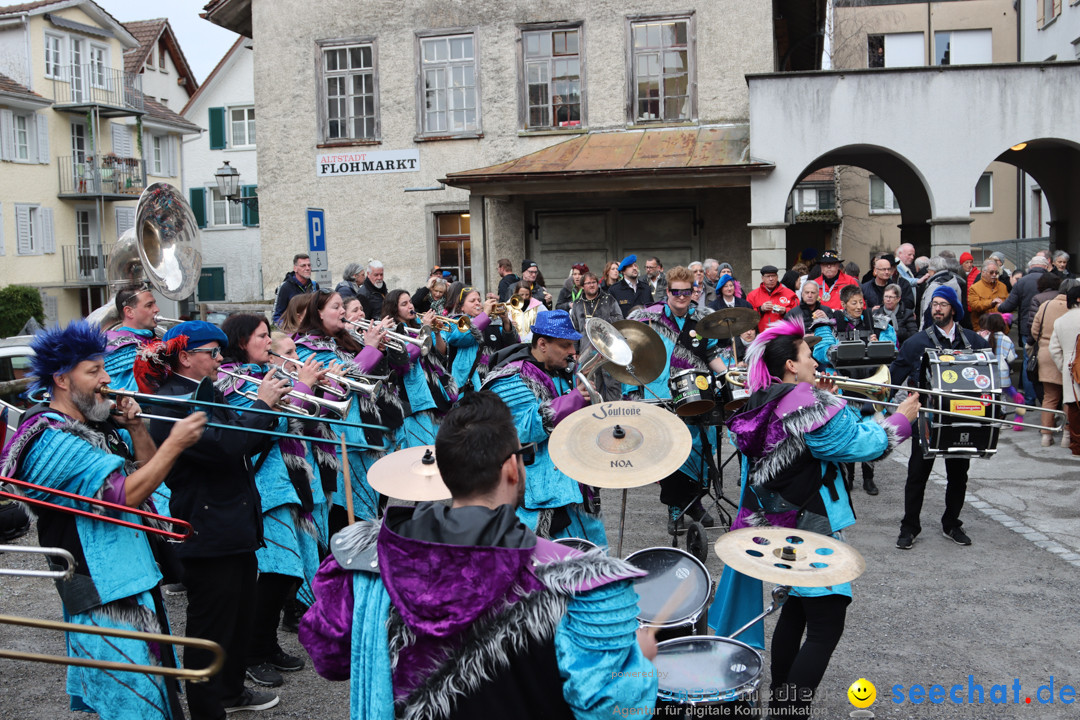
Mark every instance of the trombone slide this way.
pixel 54 574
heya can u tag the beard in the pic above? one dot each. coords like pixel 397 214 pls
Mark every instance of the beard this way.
pixel 942 321
pixel 94 408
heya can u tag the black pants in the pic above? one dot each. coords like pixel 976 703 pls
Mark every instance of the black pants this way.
pixel 797 670
pixel 272 592
pixel 848 470
pixel 956 473
pixel 221 599
pixel 680 490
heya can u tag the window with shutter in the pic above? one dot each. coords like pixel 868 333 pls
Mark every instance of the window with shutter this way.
pixel 7 135
pixel 24 230
pixel 251 210
pixel 42 138
pixel 48 241
pixel 2 252
pixel 217 128
pixel 125 220
pixel 198 205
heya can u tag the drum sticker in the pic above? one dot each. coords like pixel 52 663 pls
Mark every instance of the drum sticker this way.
pixel 969 373
pixel 702 382
pixel 982 381
pixel 948 376
pixel 968 407
pixel 946 358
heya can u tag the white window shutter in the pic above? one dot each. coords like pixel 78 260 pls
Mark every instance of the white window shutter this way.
pixel 148 152
pixel 7 135
pixel 1 231
pixel 125 220
pixel 47 240
pixel 170 152
pixel 23 243
pixel 42 137
pixel 121 140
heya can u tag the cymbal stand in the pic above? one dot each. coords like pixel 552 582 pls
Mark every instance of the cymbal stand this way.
pixel 779 596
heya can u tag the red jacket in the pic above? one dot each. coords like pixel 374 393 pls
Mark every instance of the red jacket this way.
pixel 780 296
pixel 830 294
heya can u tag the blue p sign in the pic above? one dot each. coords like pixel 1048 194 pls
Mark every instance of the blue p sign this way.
pixel 316 227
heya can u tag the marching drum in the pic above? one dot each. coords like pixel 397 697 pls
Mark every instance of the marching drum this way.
pixel 732 396
pixel 973 374
pixel 668 568
pixel 713 671
pixel 691 392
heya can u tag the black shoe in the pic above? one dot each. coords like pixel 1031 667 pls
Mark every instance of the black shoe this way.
pixel 252 699
pixel 957 535
pixel 905 541
pixel 263 674
pixel 281 660
pixel 698 513
pixel 869 486
pixel 174 589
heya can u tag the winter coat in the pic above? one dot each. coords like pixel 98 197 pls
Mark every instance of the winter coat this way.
pixel 1042 328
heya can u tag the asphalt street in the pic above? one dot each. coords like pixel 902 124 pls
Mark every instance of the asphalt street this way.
pixel 998 613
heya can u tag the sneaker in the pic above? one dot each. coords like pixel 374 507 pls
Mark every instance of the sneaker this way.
pixel 174 589
pixel 905 541
pixel 1047 440
pixel 281 660
pixel 869 486
pixel 957 535
pixel 1065 439
pixel 263 674
pixel 252 699
pixel 1018 418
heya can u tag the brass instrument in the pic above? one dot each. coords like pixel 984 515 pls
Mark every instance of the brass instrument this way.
pixel 160 248
pixel 290 402
pixel 514 303
pixel 355 384
pixel 608 347
pixel 64 574
pixel 463 323
pixel 398 341
pixel 180 673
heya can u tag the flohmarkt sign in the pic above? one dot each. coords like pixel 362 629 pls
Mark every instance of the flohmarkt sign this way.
pixel 367 163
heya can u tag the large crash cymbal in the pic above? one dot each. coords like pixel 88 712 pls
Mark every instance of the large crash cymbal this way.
pixel 727 323
pixel 650 354
pixel 787 556
pixel 410 474
pixel 620 444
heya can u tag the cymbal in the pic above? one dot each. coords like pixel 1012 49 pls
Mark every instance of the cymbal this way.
pixel 410 474
pixel 765 553
pixel 650 353
pixel 620 444
pixel 727 323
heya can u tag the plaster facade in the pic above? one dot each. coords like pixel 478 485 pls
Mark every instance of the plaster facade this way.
pixel 372 216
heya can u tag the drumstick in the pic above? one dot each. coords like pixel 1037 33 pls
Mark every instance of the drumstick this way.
pixel 682 590
pixel 348 482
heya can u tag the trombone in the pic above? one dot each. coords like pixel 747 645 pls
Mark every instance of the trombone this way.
pixel 398 341
pixel 63 574
pixel 291 403
pixel 349 383
pixel 180 673
pixel 185 526
pixel 463 324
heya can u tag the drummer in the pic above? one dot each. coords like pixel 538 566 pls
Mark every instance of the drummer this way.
pixel 792 436
pixel 675 322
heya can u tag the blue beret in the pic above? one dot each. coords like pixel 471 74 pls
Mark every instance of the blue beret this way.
pixel 198 332
pixel 627 262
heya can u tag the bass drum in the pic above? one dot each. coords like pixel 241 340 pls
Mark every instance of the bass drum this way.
pixel 972 374
pixel 711 672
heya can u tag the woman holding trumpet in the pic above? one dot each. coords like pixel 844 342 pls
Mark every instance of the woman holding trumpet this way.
pixel 472 345
pixel 74 444
pixel 428 386
pixel 290 556
pixel 325 336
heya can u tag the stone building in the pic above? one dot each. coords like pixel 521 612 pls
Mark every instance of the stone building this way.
pixel 458 133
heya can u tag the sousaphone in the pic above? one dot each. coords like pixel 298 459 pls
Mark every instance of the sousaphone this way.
pixel 159 249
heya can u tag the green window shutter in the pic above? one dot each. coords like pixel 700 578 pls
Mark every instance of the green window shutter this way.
pixel 198 205
pixel 212 284
pixel 217 128
pixel 251 210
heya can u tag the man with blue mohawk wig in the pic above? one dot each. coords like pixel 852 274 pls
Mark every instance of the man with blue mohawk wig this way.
pixel 74 443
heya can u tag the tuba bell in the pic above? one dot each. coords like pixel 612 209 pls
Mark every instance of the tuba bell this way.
pixel 159 249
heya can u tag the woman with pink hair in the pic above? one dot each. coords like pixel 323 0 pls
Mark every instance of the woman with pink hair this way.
pixel 793 434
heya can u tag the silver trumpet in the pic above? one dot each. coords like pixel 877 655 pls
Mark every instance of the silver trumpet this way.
pixel 290 403
pixel 398 341
pixel 350 383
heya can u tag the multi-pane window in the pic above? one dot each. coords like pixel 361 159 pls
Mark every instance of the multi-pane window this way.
pixel 882 199
pixel 22 137
pixel 453 245
pixel 242 124
pixel 660 62
pixel 161 59
pixel 224 211
pixel 157 154
pixel 552 77
pixel 98 65
pixel 53 56
pixel 349 84
pixel 449 102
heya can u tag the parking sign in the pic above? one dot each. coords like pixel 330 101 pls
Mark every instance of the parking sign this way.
pixel 316 232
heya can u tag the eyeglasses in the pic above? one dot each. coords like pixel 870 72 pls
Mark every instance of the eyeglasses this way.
pixel 527 453
pixel 688 292
pixel 214 352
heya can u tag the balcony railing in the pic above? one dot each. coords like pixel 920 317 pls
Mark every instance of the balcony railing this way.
pixel 85 264
pixel 109 176
pixel 97 85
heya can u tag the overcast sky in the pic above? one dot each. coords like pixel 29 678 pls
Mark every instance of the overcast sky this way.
pixel 203 43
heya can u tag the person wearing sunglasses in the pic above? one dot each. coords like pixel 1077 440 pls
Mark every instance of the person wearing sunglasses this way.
pixel 213 488
pixel 535 381
pixel 489 620
pixel 675 321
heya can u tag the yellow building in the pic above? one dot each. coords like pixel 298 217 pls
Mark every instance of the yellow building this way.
pixel 78 143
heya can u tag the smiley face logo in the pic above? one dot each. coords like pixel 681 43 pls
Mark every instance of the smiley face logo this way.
pixel 862 693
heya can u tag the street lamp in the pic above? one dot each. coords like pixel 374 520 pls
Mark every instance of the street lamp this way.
pixel 228 183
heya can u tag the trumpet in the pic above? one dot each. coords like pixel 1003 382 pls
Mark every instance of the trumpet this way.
pixel 463 323
pixel 350 383
pixel 514 303
pixel 398 341
pixel 291 402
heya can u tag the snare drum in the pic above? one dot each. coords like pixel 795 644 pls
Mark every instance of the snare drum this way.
pixel 709 670
pixel 668 568
pixel 691 392
pixel 732 396
pixel 577 543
